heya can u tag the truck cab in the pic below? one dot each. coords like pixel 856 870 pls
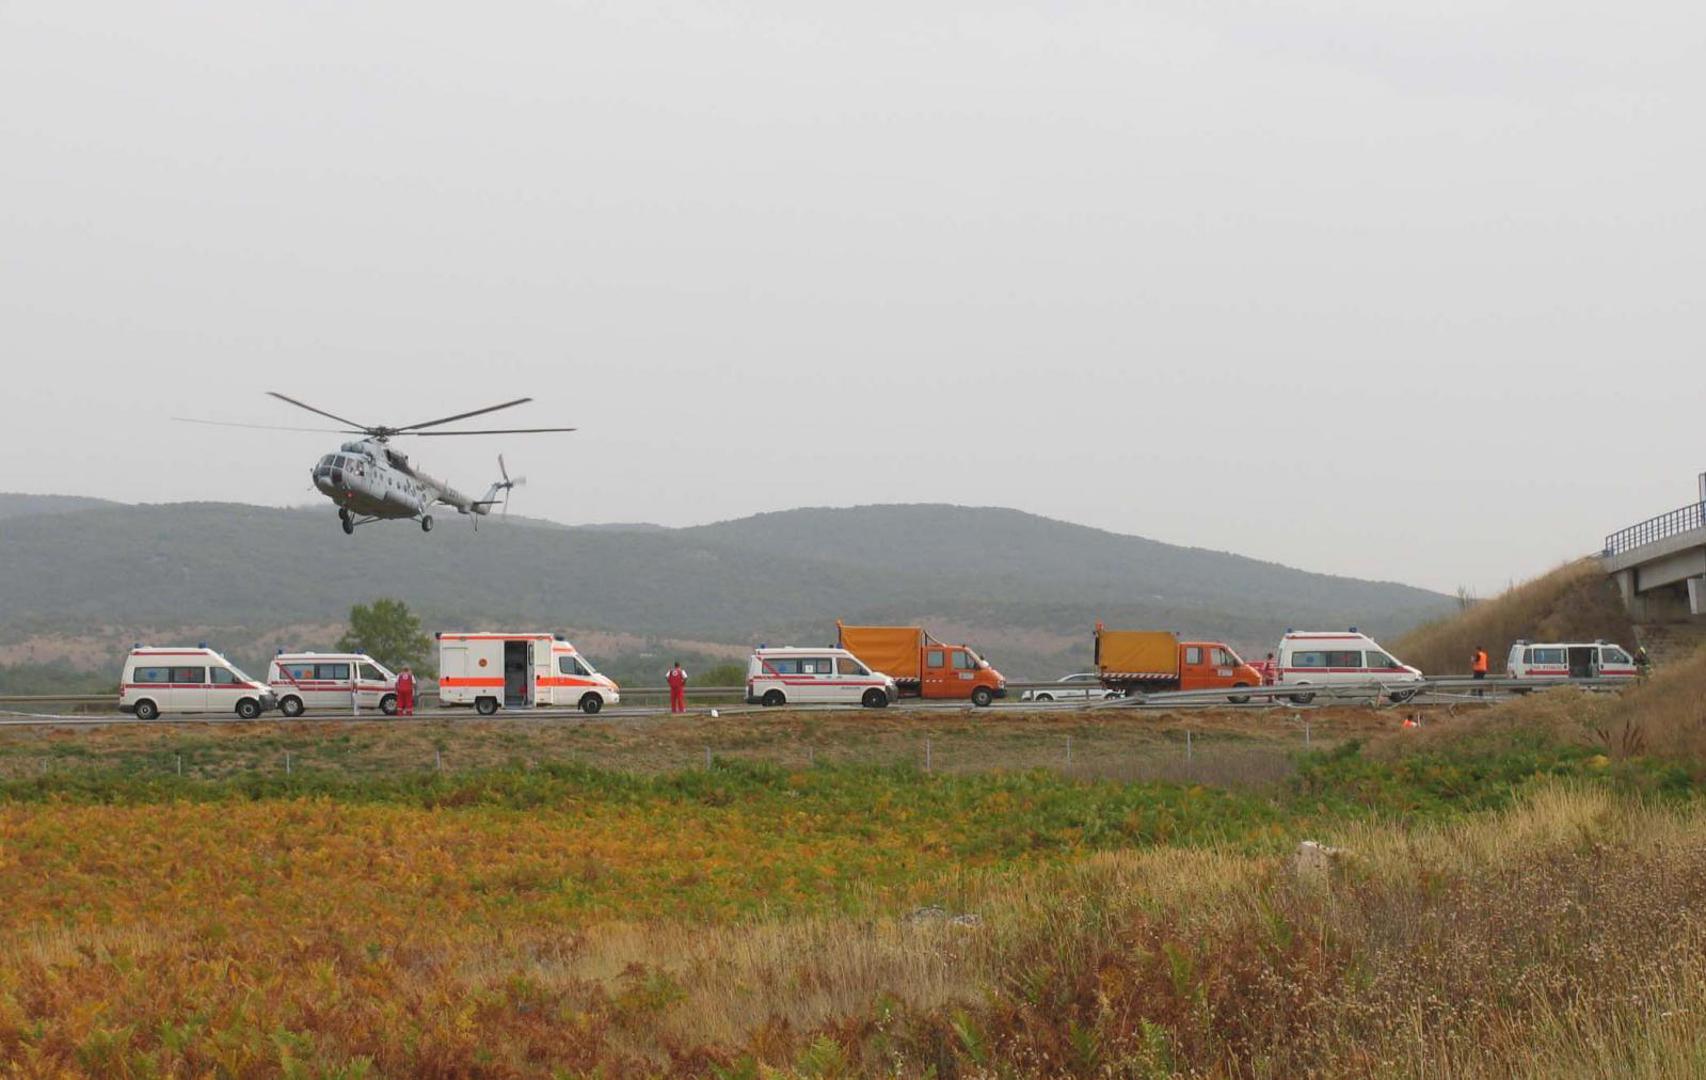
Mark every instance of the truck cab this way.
pixel 955 671
pixel 1210 665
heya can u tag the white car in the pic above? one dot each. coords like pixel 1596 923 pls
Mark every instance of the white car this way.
pixel 1328 658
pixel 815 676
pixel 1569 660
pixel 1085 686
pixel 160 680
pixel 327 681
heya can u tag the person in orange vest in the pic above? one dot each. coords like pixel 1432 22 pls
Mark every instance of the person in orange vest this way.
pixel 406 692
pixel 1478 665
pixel 677 680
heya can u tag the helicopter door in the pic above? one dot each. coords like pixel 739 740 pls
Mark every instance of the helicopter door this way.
pixel 518 674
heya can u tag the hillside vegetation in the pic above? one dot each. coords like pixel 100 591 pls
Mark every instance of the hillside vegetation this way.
pixel 1575 602
pixel 1026 589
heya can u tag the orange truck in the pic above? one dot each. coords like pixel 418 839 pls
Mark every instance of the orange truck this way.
pixel 920 665
pixel 1138 660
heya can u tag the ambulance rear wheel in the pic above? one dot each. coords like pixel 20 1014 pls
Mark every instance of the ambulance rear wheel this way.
pixel 349 526
pixel 772 699
pixel 486 706
pixel 982 697
pixel 1398 697
pixel 591 703
pixel 248 709
pixel 147 710
pixel 1302 699
pixel 388 704
pixel 426 523
pixel 290 706
pixel 875 699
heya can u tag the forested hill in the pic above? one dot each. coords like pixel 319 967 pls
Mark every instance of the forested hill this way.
pixel 1027 585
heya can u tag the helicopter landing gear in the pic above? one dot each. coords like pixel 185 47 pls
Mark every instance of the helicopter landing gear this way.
pixel 349 526
pixel 426 523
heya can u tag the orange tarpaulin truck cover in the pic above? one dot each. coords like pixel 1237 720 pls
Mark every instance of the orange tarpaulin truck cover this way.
pixel 1137 652
pixel 892 650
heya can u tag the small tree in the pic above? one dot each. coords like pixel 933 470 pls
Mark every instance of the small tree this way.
pixel 388 632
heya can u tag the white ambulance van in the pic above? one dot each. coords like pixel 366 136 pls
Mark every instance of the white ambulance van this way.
pixel 326 682
pixel 1569 660
pixel 180 679
pixel 815 676
pixel 492 670
pixel 1328 658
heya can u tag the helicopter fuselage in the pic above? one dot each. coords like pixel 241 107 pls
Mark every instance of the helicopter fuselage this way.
pixel 362 481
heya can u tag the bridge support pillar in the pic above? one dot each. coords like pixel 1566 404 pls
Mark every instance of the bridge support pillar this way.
pixel 1633 601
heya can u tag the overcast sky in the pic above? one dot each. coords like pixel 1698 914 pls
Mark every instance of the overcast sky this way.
pixel 1401 290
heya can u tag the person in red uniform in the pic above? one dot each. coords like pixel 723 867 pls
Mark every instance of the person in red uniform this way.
pixel 406 692
pixel 677 679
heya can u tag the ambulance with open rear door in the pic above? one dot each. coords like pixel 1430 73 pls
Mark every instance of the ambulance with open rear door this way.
pixel 493 670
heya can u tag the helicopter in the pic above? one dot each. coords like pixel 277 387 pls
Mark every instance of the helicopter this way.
pixel 369 481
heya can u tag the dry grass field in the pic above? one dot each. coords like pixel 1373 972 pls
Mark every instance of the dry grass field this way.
pixel 1518 892
pixel 1109 742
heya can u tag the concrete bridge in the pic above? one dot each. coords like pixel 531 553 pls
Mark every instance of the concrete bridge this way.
pixel 1659 564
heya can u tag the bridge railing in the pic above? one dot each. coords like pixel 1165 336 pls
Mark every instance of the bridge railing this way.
pixel 1680 520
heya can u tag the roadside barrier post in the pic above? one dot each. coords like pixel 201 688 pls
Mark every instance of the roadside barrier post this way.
pixel 926 755
pixel 707 757
pixel 287 763
pixel 1187 744
pixel 180 764
pixel 438 760
pixel 1069 749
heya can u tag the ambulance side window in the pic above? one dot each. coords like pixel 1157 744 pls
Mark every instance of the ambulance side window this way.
pixel 196 675
pixel 571 665
pixel 222 677
pixel 339 672
pixel 369 673
pixel 151 675
pixel 781 666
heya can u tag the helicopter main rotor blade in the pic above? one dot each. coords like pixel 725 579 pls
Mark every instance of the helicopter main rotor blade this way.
pixel 463 416
pixel 330 416
pixel 490 431
pixel 263 427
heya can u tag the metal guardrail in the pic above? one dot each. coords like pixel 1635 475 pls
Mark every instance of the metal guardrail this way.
pixel 1682 519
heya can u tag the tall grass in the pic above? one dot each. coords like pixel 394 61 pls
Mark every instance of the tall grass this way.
pixel 1575 602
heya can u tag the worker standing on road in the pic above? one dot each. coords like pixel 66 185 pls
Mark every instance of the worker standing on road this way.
pixel 677 679
pixel 1478 665
pixel 406 692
